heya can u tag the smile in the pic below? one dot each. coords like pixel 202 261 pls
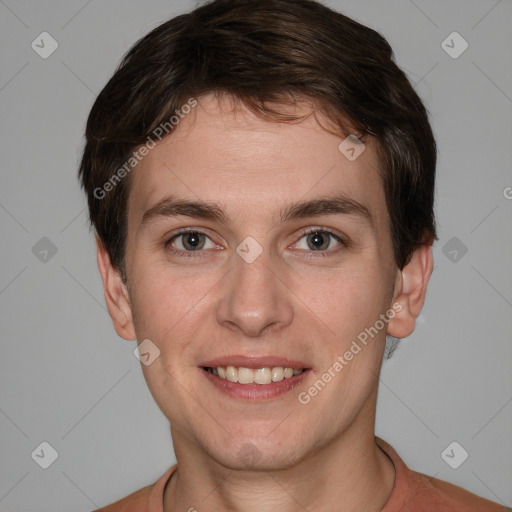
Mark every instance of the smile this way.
pixel 260 376
pixel 254 385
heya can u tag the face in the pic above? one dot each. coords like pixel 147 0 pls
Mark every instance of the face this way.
pixel 286 260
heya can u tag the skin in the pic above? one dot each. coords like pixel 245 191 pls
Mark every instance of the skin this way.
pixel 289 302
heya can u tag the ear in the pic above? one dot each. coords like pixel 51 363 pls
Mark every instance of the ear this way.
pixel 116 295
pixel 410 291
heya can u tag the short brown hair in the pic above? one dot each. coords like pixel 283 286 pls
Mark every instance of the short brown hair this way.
pixel 264 53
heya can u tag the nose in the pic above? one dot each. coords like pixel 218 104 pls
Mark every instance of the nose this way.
pixel 254 298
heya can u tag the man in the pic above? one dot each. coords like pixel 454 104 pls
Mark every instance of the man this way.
pixel 260 176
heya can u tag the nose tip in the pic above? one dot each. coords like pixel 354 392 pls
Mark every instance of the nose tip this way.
pixel 253 299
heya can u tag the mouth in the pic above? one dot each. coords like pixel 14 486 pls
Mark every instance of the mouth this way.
pixel 260 376
pixel 255 379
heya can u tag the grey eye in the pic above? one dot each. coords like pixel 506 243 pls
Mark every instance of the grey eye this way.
pixel 191 241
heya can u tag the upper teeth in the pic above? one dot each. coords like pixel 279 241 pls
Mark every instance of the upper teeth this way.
pixel 249 376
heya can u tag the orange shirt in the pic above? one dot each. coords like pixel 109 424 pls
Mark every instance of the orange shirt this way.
pixel 412 492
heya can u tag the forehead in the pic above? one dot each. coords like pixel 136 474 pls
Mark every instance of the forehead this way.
pixel 223 153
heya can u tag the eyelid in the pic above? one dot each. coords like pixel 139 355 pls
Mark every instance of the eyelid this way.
pixel 188 230
pixel 320 229
pixel 170 239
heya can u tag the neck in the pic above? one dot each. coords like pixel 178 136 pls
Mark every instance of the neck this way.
pixel 350 473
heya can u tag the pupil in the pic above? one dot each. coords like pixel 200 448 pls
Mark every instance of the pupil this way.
pixel 318 241
pixel 192 241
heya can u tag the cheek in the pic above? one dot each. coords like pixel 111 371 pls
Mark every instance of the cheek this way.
pixel 168 306
pixel 155 303
pixel 346 299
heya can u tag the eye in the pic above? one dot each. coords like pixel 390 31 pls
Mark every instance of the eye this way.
pixel 189 241
pixel 319 240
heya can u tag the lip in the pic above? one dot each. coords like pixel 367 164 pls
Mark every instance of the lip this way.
pixel 255 362
pixel 254 392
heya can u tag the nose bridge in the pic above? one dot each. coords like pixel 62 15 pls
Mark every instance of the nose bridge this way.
pixel 254 298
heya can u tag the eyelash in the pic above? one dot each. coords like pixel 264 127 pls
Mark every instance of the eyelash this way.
pixel 327 253
pixel 309 231
pixel 179 252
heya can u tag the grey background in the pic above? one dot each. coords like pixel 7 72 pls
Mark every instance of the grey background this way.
pixel 67 379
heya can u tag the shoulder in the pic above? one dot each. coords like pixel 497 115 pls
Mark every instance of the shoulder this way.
pixel 147 499
pixel 135 502
pixel 457 498
pixel 417 492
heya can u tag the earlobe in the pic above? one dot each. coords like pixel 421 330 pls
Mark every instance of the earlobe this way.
pixel 116 294
pixel 410 291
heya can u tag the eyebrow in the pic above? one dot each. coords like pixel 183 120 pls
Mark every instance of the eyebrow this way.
pixel 338 204
pixel 172 207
